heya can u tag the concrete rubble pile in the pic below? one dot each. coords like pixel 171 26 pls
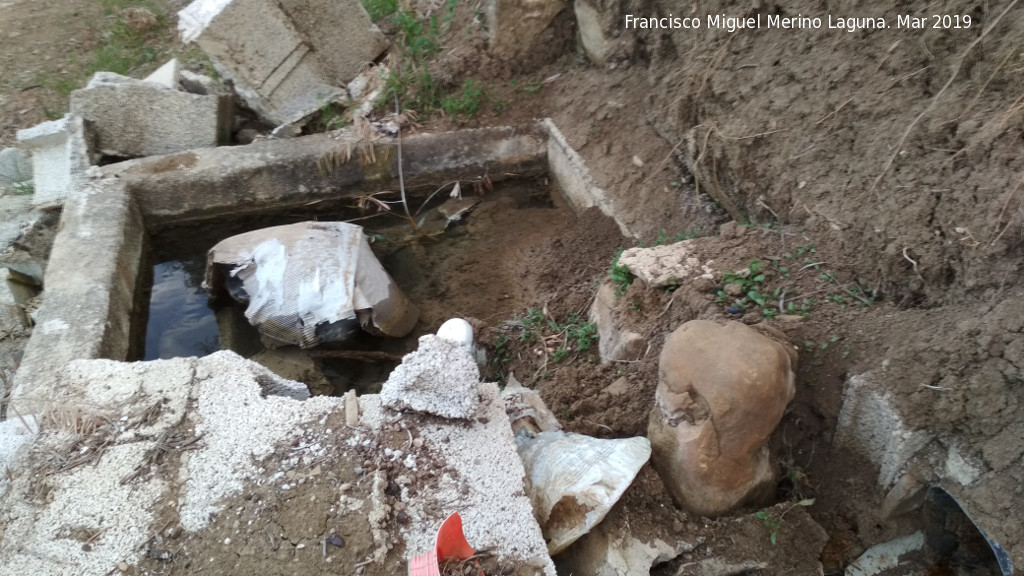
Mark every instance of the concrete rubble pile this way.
pixel 236 412
pixel 121 117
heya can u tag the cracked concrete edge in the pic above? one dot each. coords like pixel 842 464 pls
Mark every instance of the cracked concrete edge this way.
pixel 910 459
pixel 88 313
pixel 274 174
pixel 570 171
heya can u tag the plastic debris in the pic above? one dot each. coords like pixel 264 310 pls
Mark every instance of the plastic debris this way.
pixel 451 545
pixel 574 480
pixel 310 283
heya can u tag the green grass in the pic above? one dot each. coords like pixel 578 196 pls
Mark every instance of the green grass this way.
pixel 574 335
pixel 418 42
pixel 620 276
pixel 380 9
pixel 465 102
pixel 773 523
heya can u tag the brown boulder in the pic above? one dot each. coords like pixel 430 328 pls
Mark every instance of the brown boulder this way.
pixel 721 392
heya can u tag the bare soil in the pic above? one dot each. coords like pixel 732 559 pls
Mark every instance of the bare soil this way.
pixel 895 155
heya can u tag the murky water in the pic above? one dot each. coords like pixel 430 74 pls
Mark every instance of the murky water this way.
pixel 180 321
pixel 466 267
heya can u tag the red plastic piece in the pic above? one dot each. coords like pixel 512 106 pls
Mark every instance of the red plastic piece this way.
pixel 450 544
pixel 451 541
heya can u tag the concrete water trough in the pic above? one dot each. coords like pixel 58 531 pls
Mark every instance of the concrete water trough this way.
pixel 97 273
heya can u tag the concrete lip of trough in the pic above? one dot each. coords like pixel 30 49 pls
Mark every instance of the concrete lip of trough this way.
pixel 96 269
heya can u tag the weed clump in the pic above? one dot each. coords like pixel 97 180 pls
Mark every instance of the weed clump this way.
pixel 621 277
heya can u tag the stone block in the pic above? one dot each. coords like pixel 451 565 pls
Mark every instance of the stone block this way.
pixel 513 25
pixel 15 288
pixel 439 378
pixel 870 423
pixel 596 44
pixel 60 157
pixel 15 169
pixel 668 265
pixel 722 390
pixel 139 118
pixel 286 58
pixel 614 342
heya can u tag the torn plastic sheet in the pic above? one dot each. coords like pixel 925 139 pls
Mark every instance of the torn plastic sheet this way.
pixel 310 283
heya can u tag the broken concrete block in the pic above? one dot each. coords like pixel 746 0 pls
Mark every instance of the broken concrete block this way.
pixel 614 342
pixel 870 423
pixel 15 170
pixel 667 265
pixel 24 263
pixel 198 84
pixel 439 378
pixel 139 118
pixel 721 392
pixel 295 364
pixel 289 58
pixel 166 75
pixel 513 25
pixel 15 287
pixel 13 436
pixel 60 157
pixel 482 473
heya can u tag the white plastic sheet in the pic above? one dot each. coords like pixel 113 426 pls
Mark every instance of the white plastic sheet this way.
pixel 310 282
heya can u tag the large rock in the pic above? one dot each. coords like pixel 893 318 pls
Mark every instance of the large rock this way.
pixel 514 25
pixel 721 392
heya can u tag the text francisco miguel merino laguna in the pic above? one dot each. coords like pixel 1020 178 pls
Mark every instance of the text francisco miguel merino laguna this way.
pixel 733 23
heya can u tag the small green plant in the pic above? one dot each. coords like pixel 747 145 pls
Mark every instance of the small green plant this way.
pixel 532 86
pixel 803 310
pixel 837 299
pixel 574 335
pixel 773 523
pixel 805 249
pixel 465 102
pixel 330 116
pixel 380 9
pixel 620 275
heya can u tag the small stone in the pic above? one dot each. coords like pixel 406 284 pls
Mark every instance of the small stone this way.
pixel 417 443
pixel 123 566
pixel 617 388
pixel 734 290
pixel 790 318
pixel 335 540
pixel 637 161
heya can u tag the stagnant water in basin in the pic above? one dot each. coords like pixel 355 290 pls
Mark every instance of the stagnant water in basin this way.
pixel 478 267
pixel 181 323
